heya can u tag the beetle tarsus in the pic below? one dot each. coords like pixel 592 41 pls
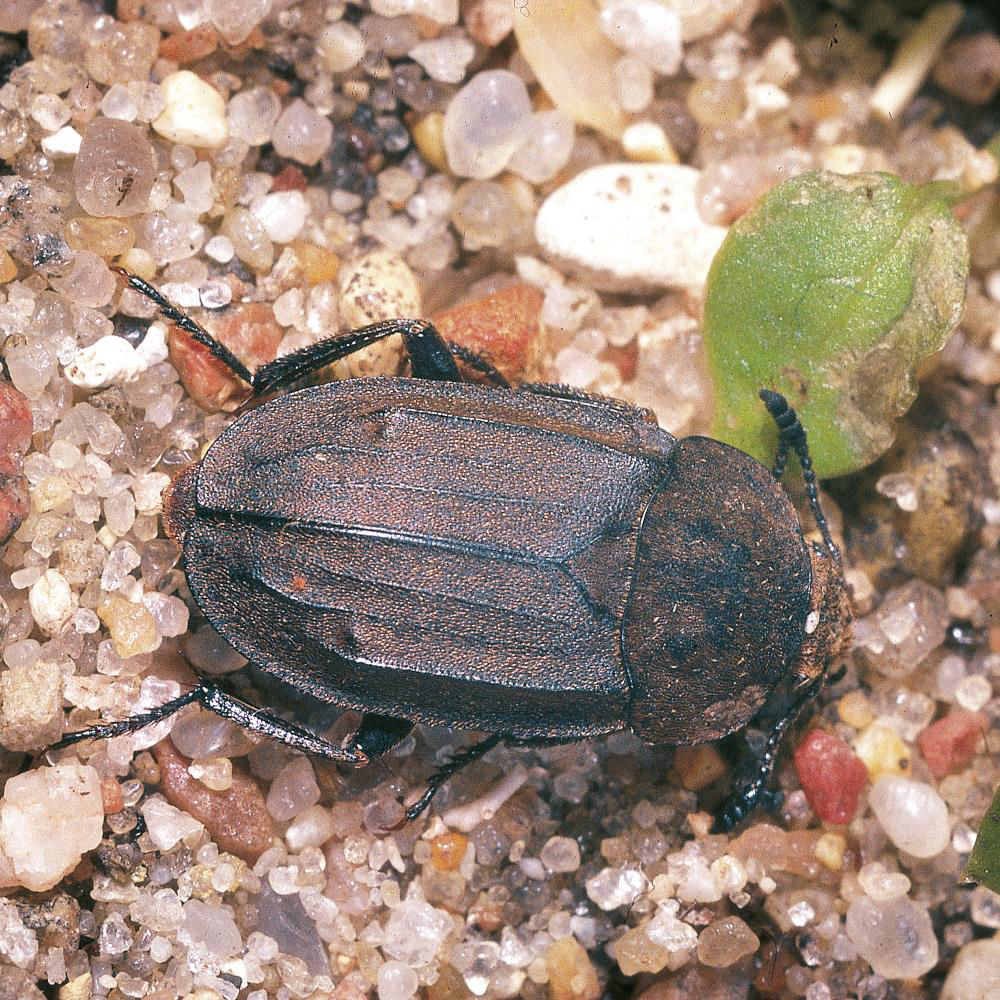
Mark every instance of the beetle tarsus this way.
pixel 792 437
pixel 445 771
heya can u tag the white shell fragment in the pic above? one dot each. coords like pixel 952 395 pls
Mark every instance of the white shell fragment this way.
pixel 630 227
pixel 113 359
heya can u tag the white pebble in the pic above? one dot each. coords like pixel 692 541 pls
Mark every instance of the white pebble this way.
pixel 166 824
pixel 396 981
pixel 52 601
pixel 648 29
pixel 485 122
pixel 235 19
pixel 65 142
pixel 973 692
pixel 113 359
pixel 293 790
pixel 194 112
pixel 975 973
pixel 49 818
pixel 119 102
pixel 895 937
pixel 445 59
pixel 913 815
pixel 282 214
pixel 630 227
pixel 220 248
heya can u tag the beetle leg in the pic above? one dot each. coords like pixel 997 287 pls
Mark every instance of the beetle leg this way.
pixel 792 436
pixel 479 364
pixel 755 792
pixel 378 734
pixel 107 730
pixel 430 356
pixel 445 771
pixel 259 720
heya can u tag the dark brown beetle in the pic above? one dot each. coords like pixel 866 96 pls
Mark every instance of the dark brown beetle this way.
pixel 537 562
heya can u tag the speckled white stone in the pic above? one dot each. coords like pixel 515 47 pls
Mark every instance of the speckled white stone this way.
pixel 630 227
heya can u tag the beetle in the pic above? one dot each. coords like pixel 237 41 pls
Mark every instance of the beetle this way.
pixel 535 562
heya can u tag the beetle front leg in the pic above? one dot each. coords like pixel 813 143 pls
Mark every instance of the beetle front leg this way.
pixel 430 356
pixel 755 791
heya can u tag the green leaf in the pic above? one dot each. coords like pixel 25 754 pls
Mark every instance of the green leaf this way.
pixel 832 290
pixel 984 861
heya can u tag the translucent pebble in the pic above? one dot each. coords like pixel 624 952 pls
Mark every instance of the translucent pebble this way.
pixel 881 884
pixel 485 122
pixel 396 981
pixel 293 790
pixel 484 213
pixel 909 624
pixel 114 171
pixel 913 815
pixel 614 887
pixel 648 29
pixel 984 907
pixel 30 367
pixel 301 133
pixel 560 854
pixel 284 879
pixel 215 773
pixel 252 113
pixel 311 828
pixel 415 931
pixel 282 214
pixel 50 111
pixel 20 655
pixel 235 19
pixel 213 927
pixel 166 824
pixel 973 692
pixel 341 46
pixel 115 937
pixel 445 59
pixel 89 283
pixel 634 80
pixel 160 949
pixel 547 148
pixel 120 103
pixel 195 184
pixel 895 937
pixel 725 941
pixel 119 513
pixel 169 613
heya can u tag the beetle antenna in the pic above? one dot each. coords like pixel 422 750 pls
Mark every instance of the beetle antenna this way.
pixel 792 437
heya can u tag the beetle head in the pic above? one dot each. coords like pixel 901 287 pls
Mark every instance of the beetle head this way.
pixel 831 615
pixel 179 503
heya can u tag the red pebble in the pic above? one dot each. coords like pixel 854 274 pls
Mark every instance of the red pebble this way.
pixel 250 331
pixel 949 743
pixel 290 179
pixel 16 425
pixel 831 774
pixel 504 326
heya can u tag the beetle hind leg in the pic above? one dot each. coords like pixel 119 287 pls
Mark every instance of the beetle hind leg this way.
pixel 257 720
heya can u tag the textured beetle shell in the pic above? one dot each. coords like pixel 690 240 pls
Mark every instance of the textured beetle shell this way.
pixel 449 553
